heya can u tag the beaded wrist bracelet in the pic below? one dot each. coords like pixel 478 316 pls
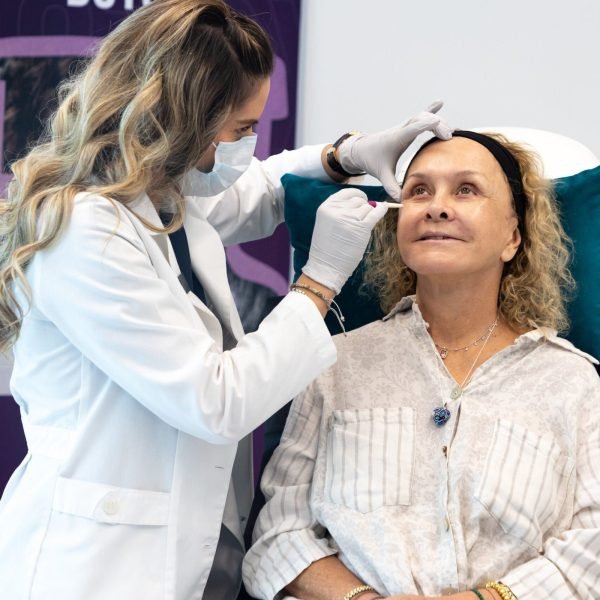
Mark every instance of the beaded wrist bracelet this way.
pixel 329 302
pixel 477 593
pixel 505 592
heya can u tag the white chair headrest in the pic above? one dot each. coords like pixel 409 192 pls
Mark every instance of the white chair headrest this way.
pixel 561 156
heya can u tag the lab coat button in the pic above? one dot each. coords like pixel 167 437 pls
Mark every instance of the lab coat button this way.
pixel 110 505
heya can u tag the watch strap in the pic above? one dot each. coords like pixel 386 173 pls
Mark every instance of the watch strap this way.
pixel 333 162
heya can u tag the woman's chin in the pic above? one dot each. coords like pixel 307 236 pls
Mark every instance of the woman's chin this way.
pixel 440 264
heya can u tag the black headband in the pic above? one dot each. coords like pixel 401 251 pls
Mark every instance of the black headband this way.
pixel 505 159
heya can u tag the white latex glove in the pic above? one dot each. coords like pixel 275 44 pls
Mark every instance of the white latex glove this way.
pixel 378 153
pixel 342 231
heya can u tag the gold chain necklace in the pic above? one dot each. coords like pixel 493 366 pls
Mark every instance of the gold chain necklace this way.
pixel 443 350
pixel 441 415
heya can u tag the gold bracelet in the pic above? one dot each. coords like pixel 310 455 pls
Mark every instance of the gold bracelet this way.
pixel 505 592
pixel 315 291
pixel 357 591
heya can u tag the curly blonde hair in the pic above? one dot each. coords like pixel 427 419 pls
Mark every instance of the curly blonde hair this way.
pixel 141 114
pixel 535 284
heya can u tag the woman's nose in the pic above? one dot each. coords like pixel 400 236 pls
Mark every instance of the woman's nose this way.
pixel 439 208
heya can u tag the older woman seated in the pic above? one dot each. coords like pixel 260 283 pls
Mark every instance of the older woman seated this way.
pixel 454 448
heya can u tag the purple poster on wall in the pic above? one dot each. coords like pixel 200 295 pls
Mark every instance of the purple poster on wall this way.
pixel 42 41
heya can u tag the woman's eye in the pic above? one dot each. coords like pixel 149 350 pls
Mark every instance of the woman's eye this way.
pixel 466 189
pixel 243 130
pixel 419 190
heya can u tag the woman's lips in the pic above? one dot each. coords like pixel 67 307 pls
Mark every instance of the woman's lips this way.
pixel 437 237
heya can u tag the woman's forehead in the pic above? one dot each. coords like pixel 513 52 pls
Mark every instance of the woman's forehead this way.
pixel 458 155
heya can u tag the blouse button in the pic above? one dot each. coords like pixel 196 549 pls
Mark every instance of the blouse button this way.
pixel 456 392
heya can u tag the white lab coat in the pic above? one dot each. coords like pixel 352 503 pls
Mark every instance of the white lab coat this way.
pixel 132 410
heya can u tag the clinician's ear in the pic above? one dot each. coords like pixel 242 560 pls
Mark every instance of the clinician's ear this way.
pixel 512 245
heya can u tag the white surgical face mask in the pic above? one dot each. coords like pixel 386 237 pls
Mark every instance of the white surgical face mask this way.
pixel 232 159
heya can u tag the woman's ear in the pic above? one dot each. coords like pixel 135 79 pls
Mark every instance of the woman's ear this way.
pixel 512 245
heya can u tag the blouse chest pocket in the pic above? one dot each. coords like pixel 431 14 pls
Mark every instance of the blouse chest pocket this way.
pixel 370 455
pixel 525 482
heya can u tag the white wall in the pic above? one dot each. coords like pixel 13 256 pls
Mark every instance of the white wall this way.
pixel 4 376
pixel 369 64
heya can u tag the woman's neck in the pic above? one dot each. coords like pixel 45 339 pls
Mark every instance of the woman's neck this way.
pixel 457 312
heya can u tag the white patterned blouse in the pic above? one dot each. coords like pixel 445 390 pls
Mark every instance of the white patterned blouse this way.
pixel 508 488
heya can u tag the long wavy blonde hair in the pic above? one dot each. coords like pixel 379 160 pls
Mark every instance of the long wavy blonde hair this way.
pixel 535 283
pixel 140 115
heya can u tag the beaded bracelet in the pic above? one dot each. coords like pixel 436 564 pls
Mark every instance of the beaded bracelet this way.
pixel 505 592
pixel 358 591
pixel 329 302
pixel 477 593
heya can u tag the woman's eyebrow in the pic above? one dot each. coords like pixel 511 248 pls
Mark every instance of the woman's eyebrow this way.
pixel 465 173
pixel 247 121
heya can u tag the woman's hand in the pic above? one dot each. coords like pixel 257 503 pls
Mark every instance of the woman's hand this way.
pixel 378 153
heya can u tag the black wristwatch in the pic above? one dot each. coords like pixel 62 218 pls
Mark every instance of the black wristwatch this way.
pixel 332 160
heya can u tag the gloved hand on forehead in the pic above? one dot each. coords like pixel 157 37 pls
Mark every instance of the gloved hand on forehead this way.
pixel 378 153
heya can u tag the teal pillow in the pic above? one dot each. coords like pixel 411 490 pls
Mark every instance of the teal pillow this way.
pixel 578 197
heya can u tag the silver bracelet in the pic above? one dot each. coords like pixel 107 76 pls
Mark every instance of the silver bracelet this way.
pixel 331 304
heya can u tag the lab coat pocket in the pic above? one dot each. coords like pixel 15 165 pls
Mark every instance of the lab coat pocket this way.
pixel 104 532
pixel 370 457
pixel 109 504
pixel 525 481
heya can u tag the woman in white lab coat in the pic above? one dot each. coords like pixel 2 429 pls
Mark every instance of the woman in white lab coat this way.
pixel 136 392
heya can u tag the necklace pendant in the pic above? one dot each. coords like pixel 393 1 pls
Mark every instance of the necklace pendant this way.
pixel 441 415
pixel 443 353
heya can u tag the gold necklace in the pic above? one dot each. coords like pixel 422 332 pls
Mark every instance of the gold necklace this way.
pixel 441 415
pixel 443 350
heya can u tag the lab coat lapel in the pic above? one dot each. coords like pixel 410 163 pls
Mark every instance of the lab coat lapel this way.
pixel 158 246
pixel 209 264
